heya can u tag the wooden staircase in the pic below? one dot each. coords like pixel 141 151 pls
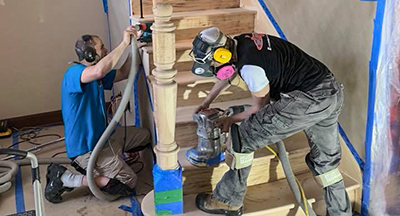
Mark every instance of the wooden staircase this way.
pixel 268 192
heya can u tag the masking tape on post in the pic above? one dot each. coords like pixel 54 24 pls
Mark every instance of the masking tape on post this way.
pixel 329 178
pixel 238 160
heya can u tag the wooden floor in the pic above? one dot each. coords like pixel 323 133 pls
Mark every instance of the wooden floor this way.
pixel 78 202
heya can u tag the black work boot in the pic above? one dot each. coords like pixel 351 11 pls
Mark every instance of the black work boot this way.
pixel 115 187
pixel 54 185
pixel 208 204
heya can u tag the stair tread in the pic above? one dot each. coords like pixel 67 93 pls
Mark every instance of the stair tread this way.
pixel 186 77
pixel 184 114
pixel 293 144
pixel 262 199
pixel 213 12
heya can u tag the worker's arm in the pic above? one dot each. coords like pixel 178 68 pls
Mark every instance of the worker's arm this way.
pixel 123 72
pixel 105 65
pixel 218 87
pixel 260 99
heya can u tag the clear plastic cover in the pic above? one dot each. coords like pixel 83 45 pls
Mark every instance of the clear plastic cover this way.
pixel 385 149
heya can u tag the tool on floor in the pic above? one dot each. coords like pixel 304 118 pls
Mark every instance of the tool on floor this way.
pixel 4 130
pixel 11 170
pixel 146 35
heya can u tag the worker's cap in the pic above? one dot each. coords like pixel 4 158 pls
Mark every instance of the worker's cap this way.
pixel 204 46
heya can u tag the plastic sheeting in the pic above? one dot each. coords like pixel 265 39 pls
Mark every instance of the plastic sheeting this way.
pixel 384 197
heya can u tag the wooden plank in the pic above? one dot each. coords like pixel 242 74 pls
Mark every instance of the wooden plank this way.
pixel 265 168
pixel 185 5
pixel 270 199
pixel 230 21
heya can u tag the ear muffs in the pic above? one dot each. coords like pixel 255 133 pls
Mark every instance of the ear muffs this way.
pixel 89 53
pixel 222 55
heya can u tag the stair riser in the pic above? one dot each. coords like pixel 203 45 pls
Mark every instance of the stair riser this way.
pixel 263 170
pixel 229 23
pixel 185 5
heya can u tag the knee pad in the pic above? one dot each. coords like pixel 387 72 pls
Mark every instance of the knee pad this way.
pixel 326 179
pixel 329 178
pixel 233 158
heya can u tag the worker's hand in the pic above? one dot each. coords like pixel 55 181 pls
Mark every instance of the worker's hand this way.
pixel 201 107
pixel 225 124
pixel 128 33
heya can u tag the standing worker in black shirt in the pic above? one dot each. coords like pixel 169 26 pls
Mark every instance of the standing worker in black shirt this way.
pixel 305 97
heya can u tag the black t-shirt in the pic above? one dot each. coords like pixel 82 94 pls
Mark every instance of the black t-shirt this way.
pixel 286 66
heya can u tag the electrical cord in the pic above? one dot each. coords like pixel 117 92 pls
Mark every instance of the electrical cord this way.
pixel 31 134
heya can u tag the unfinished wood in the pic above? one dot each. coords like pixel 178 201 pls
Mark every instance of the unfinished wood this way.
pixel 270 199
pixel 265 168
pixel 184 5
pixel 164 87
pixel 349 166
pixel 262 23
pixel 230 21
pixel 184 114
pixel 192 89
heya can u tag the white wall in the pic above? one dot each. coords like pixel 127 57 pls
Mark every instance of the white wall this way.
pixel 36 41
pixel 338 33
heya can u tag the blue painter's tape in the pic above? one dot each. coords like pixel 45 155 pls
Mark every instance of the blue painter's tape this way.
pixel 175 208
pixel 136 98
pixel 380 10
pixel 19 190
pixel 351 147
pixel 273 21
pixel 166 180
pixel 105 6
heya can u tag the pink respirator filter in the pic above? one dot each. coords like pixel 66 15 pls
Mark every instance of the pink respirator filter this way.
pixel 225 72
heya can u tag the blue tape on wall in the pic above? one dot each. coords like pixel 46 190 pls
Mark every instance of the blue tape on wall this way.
pixel 273 21
pixel 19 190
pixel 351 147
pixel 136 98
pixel 380 10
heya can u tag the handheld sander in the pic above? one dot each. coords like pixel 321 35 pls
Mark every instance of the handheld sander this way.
pixel 210 151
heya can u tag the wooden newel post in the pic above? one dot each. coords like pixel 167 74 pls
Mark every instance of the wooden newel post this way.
pixel 167 173
pixel 165 88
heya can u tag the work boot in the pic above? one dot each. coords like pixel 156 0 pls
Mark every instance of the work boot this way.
pixel 115 187
pixel 54 186
pixel 207 203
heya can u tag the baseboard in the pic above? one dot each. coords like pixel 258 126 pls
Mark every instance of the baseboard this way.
pixel 35 120
pixel 39 119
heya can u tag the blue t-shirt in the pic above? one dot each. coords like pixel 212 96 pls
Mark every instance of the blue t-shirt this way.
pixel 83 110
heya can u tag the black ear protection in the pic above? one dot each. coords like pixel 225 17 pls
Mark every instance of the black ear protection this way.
pixel 87 52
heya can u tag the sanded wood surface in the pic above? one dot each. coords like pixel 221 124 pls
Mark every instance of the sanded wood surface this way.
pixel 192 89
pixel 265 168
pixel 270 199
pixel 230 21
pixel 185 5
pixel 185 114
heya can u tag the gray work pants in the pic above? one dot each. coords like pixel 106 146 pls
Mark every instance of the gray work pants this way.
pixel 316 112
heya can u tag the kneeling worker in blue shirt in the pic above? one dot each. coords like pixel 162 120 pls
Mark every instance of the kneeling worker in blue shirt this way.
pixel 84 116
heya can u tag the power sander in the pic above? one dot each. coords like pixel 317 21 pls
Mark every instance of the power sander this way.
pixel 210 151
